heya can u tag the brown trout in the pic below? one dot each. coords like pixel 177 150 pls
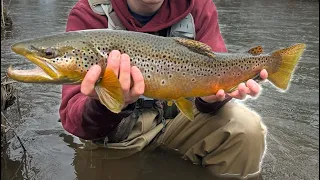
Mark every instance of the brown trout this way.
pixel 173 68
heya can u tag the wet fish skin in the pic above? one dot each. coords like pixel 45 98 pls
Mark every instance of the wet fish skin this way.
pixel 173 68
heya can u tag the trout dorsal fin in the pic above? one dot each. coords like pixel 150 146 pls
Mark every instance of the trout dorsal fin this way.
pixel 196 46
pixel 256 50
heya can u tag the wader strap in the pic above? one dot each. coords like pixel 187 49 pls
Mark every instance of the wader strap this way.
pixel 104 7
pixel 113 20
pixel 184 28
pixel 96 6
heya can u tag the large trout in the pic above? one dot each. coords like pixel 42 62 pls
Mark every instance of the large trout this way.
pixel 173 68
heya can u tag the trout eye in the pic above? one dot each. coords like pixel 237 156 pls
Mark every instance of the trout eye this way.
pixel 50 52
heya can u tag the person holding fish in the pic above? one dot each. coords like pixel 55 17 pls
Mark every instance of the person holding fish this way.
pixel 161 76
pixel 226 137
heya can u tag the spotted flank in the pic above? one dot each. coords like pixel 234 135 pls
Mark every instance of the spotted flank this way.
pixel 173 68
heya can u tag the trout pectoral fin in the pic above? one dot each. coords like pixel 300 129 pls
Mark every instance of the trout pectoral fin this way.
pixel 110 92
pixel 256 50
pixel 185 106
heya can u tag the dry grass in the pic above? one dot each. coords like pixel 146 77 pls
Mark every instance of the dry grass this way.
pixel 6 21
pixel 9 97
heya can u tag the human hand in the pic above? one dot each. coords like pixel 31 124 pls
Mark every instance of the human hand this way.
pixel 120 64
pixel 251 88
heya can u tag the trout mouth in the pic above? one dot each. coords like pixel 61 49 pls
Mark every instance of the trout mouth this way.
pixel 44 72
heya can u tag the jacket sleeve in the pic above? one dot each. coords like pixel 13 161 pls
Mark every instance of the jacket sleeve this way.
pixel 81 115
pixel 208 31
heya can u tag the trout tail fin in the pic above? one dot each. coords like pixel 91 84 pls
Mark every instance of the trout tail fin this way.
pixel 289 59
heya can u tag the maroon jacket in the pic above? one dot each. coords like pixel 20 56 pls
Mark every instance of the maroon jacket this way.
pixel 87 118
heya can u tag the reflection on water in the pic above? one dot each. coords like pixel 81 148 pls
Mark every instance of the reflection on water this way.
pixel 292 117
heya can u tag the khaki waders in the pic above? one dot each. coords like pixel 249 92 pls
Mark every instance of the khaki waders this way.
pixel 229 143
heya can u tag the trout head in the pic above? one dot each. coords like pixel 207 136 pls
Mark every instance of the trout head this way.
pixel 61 59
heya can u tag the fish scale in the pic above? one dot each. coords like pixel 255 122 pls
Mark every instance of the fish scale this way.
pixel 173 68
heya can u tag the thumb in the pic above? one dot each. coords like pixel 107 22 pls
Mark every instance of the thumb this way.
pixel 88 83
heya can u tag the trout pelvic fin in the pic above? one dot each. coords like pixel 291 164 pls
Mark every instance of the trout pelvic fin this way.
pixel 234 88
pixel 110 92
pixel 289 59
pixel 185 106
pixel 196 46
pixel 256 50
pixel 169 103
